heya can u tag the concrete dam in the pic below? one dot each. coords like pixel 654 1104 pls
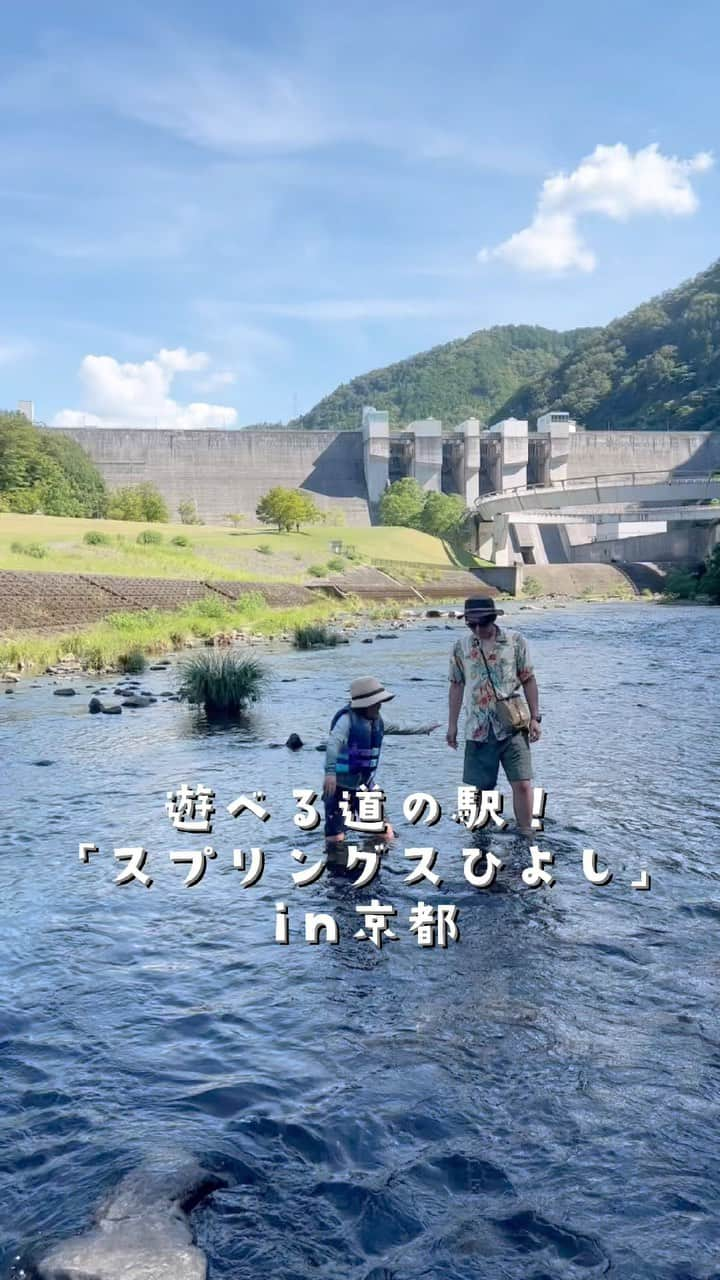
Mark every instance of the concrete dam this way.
pixel 347 472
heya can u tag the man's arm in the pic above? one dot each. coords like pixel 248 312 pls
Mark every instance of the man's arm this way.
pixel 526 676
pixel 457 691
pixel 455 702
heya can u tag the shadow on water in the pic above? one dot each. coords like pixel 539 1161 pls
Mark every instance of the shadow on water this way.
pixel 528 1102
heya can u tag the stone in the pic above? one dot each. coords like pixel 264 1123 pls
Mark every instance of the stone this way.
pixel 294 742
pixel 9 677
pixel 64 693
pixel 386 635
pixel 433 613
pixel 10 690
pixel 138 700
pixel 43 764
pixel 288 679
pixel 142 1229
pixel 114 710
pixel 368 640
pixel 95 706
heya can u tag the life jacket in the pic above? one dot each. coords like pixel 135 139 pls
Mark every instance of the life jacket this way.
pixel 359 758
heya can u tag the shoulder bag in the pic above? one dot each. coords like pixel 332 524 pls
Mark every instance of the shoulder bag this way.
pixel 512 712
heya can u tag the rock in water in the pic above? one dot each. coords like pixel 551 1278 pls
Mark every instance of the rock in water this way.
pixel 142 1230
pixel 64 693
pixel 294 742
pixel 95 706
pixel 138 700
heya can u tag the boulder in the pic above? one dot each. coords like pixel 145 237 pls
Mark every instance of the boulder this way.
pixel 386 635
pixel 294 742
pixel 138 700
pixel 142 1228
pixel 9 677
pixel 64 693
pixel 368 640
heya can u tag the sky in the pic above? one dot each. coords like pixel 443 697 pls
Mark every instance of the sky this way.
pixel 212 216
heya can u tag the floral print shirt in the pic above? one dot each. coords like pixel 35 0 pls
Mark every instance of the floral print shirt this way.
pixel 508 658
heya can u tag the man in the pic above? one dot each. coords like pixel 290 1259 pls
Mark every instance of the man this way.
pixel 353 753
pixel 488 664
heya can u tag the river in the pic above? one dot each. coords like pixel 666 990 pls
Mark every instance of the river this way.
pixel 535 1100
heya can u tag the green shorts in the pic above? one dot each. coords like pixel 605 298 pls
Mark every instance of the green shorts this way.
pixel 483 760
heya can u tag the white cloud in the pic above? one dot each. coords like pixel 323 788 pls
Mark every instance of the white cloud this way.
pixel 138 395
pixel 612 181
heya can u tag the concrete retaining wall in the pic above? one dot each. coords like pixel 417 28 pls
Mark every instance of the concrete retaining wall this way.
pixel 228 471
pixel 44 601
pixel 598 453
pixel 681 546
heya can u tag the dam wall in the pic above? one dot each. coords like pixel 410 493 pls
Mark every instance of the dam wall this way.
pixel 230 471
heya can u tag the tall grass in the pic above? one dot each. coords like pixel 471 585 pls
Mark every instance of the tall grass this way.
pixel 156 631
pixel 222 683
pixel 313 635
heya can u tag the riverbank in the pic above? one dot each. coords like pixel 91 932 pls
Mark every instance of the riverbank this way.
pixel 105 645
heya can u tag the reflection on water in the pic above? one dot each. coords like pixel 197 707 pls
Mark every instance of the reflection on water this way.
pixel 531 1102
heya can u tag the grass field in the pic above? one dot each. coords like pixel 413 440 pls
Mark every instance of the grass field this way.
pixel 212 552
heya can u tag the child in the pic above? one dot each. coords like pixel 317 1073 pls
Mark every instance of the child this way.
pixel 353 753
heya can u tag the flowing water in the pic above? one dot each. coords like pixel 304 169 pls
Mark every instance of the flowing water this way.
pixel 536 1100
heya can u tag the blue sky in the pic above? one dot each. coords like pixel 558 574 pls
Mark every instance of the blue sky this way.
pixel 213 217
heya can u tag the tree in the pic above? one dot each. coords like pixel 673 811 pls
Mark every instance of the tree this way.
pixel 42 470
pixel 710 582
pixel 187 511
pixel 138 502
pixel 443 514
pixel 402 503
pixel 236 518
pixel 287 508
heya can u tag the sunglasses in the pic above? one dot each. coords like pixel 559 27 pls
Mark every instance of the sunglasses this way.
pixel 481 622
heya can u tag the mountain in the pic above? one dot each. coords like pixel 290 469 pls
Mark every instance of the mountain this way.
pixel 658 367
pixel 470 377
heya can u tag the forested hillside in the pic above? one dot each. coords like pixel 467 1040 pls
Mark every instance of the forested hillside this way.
pixel 656 368
pixel 470 377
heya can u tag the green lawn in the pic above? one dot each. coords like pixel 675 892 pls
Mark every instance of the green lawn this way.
pixel 213 552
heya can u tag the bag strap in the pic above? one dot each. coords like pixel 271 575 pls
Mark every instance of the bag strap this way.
pixel 492 682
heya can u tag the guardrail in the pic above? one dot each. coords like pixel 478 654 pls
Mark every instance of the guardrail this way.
pixel 595 482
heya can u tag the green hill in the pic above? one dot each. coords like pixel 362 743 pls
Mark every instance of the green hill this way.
pixel 657 367
pixel 470 377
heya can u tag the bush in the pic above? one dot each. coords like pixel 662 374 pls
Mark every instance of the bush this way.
pixel 180 540
pixel 132 663
pixel 317 570
pixel 336 565
pixel 44 470
pixel 210 607
pixel 313 635
pixel 35 549
pixel 188 513
pixel 95 539
pixel 138 502
pixel 222 683
pixel 149 537
pixel 265 549
pixel 682 584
